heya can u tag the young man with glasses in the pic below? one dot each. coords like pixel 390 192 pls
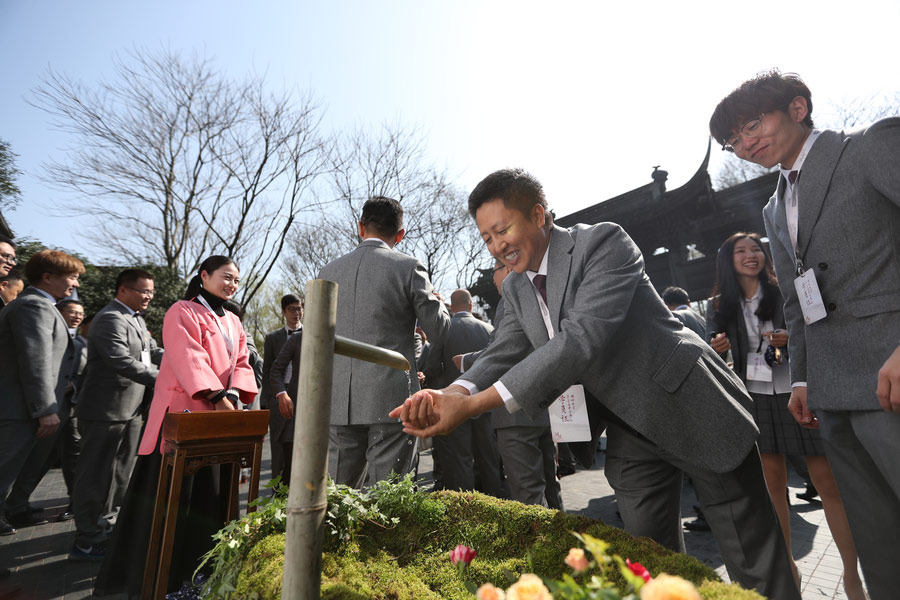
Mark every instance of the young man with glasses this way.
pixel 834 230
pixel 122 360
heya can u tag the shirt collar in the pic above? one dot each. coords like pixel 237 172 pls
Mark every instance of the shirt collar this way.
pixel 373 241
pixel 45 294
pixel 801 158
pixel 288 329
pixel 128 308
pixel 542 270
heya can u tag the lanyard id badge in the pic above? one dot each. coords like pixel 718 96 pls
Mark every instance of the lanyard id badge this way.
pixel 810 298
pixel 569 417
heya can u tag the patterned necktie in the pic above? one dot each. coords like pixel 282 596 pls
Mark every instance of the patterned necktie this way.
pixel 540 282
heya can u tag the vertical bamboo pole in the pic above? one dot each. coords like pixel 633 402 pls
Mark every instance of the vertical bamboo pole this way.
pixel 307 499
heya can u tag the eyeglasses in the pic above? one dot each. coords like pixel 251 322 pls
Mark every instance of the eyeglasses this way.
pixel 294 309
pixel 148 293
pixel 751 129
pixel 9 258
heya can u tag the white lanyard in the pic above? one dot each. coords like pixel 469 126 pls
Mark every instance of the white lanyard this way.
pixel 227 337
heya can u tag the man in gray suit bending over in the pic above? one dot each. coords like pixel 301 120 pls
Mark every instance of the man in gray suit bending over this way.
pixel 381 295
pixel 579 309
pixel 468 455
pixel 33 342
pixel 122 360
pixel 834 220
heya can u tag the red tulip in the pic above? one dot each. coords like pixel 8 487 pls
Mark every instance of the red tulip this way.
pixel 462 554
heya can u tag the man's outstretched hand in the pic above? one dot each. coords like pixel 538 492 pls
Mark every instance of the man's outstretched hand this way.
pixel 433 412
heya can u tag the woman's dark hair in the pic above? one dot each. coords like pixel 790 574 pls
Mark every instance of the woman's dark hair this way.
pixel 727 293
pixel 210 265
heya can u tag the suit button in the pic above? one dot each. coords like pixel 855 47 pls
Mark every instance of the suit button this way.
pixel 823 266
pixel 832 306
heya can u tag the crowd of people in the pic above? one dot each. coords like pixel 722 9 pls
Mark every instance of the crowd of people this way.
pixel 798 356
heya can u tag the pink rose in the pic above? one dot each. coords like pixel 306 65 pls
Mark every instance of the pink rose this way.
pixel 577 560
pixel 489 592
pixel 462 554
pixel 639 570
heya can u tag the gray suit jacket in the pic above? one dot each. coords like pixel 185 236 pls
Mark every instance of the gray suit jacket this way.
pixel 114 383
pixel 33 342
pixel 849 235
pixel 282 429
pixel 271 347
pixel 692 321
pixel 616 337
pixel 736 332
pixel 467 334
pixel 382 294
pixel 500 417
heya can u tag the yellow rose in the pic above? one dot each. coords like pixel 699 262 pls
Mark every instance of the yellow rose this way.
pixel 669 587
pixel 489 592
pixel 528 587
pixel 577 560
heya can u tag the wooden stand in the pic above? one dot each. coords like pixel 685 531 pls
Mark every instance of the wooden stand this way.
pixel 191 441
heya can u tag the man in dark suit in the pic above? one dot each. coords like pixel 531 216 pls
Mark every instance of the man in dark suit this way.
pixel 292 313
pixel 468 455
pixel 33 342
pixel 69 442
pixel 382 292
pixel 834 220
pixel 579 308
pixel 678 301
pixel 284 379
pixel 122 360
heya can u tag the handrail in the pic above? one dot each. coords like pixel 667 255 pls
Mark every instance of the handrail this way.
pixel 369 353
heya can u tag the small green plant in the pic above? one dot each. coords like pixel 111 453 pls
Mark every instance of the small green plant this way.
pixel 348 510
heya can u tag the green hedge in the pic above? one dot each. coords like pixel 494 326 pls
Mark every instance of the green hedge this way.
pixel 411 560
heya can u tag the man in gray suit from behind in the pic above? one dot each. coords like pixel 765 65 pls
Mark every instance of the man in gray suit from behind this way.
pixel 468 456
pixel 678 301
pixel 835 217
pixel 381 294
pixel 581 309
pixel 122 360
pixel 33 342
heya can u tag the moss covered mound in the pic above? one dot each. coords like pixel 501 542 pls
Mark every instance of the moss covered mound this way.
pixel 411 560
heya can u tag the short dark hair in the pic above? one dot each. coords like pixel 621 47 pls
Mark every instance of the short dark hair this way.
pixel 55 262
pixel 64 303
pixel 6 240
pixel 130 277
pixel 518 189
pixel 14 275
pixel 768 91
pixel 675 295
pixel 289 299
pixel 383 214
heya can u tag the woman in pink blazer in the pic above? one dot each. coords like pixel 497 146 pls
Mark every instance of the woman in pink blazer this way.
pixel 205 364
pixel 204 367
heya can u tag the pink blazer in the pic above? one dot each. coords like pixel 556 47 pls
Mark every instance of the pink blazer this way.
pixel 195 361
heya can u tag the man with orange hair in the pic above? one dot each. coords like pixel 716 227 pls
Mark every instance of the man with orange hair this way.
pixel 33 341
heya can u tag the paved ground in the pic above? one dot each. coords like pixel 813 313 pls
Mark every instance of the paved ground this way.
pixel 38 555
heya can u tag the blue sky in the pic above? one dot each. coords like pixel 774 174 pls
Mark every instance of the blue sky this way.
pixel 589 96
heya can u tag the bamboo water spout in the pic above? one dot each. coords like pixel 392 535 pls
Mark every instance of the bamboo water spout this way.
pixel 307 499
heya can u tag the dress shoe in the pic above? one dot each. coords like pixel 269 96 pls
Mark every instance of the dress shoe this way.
pixel 698 524
pixel 66 515
pixel 25 519
pixel 809 494
pixel 6 528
